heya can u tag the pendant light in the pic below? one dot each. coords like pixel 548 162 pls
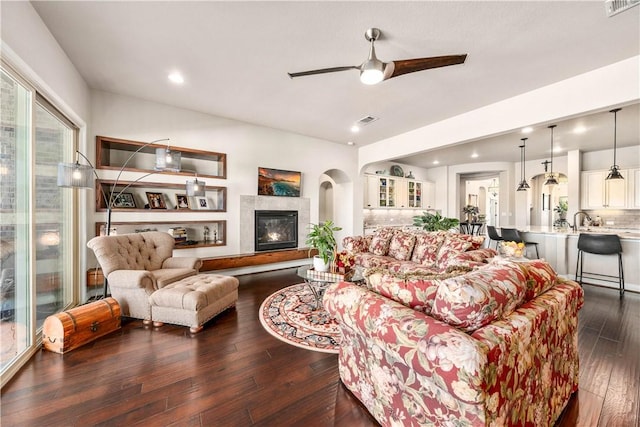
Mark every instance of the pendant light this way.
pixel 614 173
pixel 523 186
pixel 551 178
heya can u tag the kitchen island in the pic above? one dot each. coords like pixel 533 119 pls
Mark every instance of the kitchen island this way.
pixel 560 248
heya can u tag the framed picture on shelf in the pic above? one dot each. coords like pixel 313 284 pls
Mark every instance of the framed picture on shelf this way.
pixel 182 201
pixel 124 201
pixel 202 203
pixel 156 201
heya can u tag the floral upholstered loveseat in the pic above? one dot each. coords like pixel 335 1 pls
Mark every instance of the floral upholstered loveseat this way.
pixel 496 345
pixel 411 251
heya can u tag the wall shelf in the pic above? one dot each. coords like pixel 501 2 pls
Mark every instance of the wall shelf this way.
pixel 216 197
pixel 194 229
pixel 112 153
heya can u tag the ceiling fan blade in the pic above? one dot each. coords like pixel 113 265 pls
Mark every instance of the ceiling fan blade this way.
pixel 323 71
pixel 406 66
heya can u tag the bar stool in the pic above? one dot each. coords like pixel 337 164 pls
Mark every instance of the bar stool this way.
pixel 493 235
pixel 600 244
pixel 513 235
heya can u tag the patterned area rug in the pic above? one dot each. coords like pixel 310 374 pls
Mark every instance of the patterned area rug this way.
pixel 291 316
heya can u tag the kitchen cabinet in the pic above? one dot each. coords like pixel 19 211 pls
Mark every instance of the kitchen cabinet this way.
pixel 383 191
pixel 598 193
pixel 633 191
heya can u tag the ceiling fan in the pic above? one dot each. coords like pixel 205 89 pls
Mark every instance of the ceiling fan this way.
pixel 374 71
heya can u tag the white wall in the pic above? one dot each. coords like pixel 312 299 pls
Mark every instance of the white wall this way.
pixel 247 147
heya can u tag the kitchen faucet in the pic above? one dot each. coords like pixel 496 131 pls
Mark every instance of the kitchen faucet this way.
pixel 575 224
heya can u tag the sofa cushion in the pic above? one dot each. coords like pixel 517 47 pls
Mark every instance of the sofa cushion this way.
pixel 540 277
pixel 476 241
pixel 369 260
pixel 356 244
pixel 470 258
pixel 401 245
pixel 426 248
pixel 415 290
pixel 380 241
pixel 450 248
pixel 485 294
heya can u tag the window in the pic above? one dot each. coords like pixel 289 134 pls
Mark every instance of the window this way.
pixel 36 218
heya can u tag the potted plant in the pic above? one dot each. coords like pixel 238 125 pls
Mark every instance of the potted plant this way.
pixel 321 238
pixel 471 211
pixel 435 222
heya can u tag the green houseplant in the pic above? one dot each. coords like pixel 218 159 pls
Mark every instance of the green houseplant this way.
pixel 321 238
pixel 435 222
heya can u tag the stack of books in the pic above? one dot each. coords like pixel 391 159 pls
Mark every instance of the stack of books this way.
pixel 179 234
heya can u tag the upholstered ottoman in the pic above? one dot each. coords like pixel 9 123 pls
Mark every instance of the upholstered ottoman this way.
pixel 193 300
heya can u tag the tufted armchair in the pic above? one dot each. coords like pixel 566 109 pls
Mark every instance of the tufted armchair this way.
pixel 137 265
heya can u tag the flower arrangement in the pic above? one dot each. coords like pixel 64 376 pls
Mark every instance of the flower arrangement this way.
pixel 512 249
pixel 471 210
pixel 344 261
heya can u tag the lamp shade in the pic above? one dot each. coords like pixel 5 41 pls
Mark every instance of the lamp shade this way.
pixel 75 175
pixel 523 186
pixel 196 188
pixel 168 160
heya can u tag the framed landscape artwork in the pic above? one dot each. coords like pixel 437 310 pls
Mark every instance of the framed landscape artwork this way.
pixel 277 182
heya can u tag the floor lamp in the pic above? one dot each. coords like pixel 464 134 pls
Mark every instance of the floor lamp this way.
pixel 75 175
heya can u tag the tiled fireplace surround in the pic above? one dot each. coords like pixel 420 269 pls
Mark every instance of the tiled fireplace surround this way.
pixel 248 206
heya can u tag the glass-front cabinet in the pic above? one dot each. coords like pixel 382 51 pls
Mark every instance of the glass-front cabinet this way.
pixel 414 194
pixel 381 192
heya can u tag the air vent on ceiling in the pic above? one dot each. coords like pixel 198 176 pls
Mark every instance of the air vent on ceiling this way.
pixel 366 120
pixel 613 7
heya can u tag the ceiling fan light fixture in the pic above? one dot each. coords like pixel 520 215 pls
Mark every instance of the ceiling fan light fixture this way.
pixel 372 71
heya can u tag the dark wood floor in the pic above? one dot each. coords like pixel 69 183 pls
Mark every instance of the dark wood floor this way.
pixel 235 374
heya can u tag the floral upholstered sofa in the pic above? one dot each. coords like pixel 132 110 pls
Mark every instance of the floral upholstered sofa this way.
pixel 495 345
pixel 410 251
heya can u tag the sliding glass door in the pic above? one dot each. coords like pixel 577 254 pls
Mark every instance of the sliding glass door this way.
pixel 36 217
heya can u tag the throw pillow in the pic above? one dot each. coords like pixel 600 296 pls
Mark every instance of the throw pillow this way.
pixel 481 296
pixel 401 245
pixel 450 248
pixel 380 241
pixel 540 277
pixel 426 248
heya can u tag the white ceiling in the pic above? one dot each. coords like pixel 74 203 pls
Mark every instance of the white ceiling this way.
pixel 235 57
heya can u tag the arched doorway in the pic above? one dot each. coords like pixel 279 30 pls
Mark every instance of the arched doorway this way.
pixel 545 198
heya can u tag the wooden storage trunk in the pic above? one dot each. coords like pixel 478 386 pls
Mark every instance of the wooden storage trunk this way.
pixel 70 329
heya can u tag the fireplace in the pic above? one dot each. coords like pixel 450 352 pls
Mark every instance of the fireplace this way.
pixel 276 230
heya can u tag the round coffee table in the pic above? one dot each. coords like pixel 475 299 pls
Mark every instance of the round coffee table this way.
pixel 319 285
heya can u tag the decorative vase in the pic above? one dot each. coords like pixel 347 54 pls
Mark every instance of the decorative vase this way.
pixel 319 264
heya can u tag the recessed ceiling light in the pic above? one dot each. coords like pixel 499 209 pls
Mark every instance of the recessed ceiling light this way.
pixel 528 129
pixel 351 143
pixel 474 155
pixel 557 149
pixel 435 162
pixel 355 128
pixel 176 78
pixel 579 129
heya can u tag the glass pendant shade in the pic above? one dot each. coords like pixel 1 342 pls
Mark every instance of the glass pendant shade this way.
pixel 167 160
pixel 196 188
pixel 551 178
pixel 614 173
pixel 372 70
pixel 75 175
pixel 523 185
